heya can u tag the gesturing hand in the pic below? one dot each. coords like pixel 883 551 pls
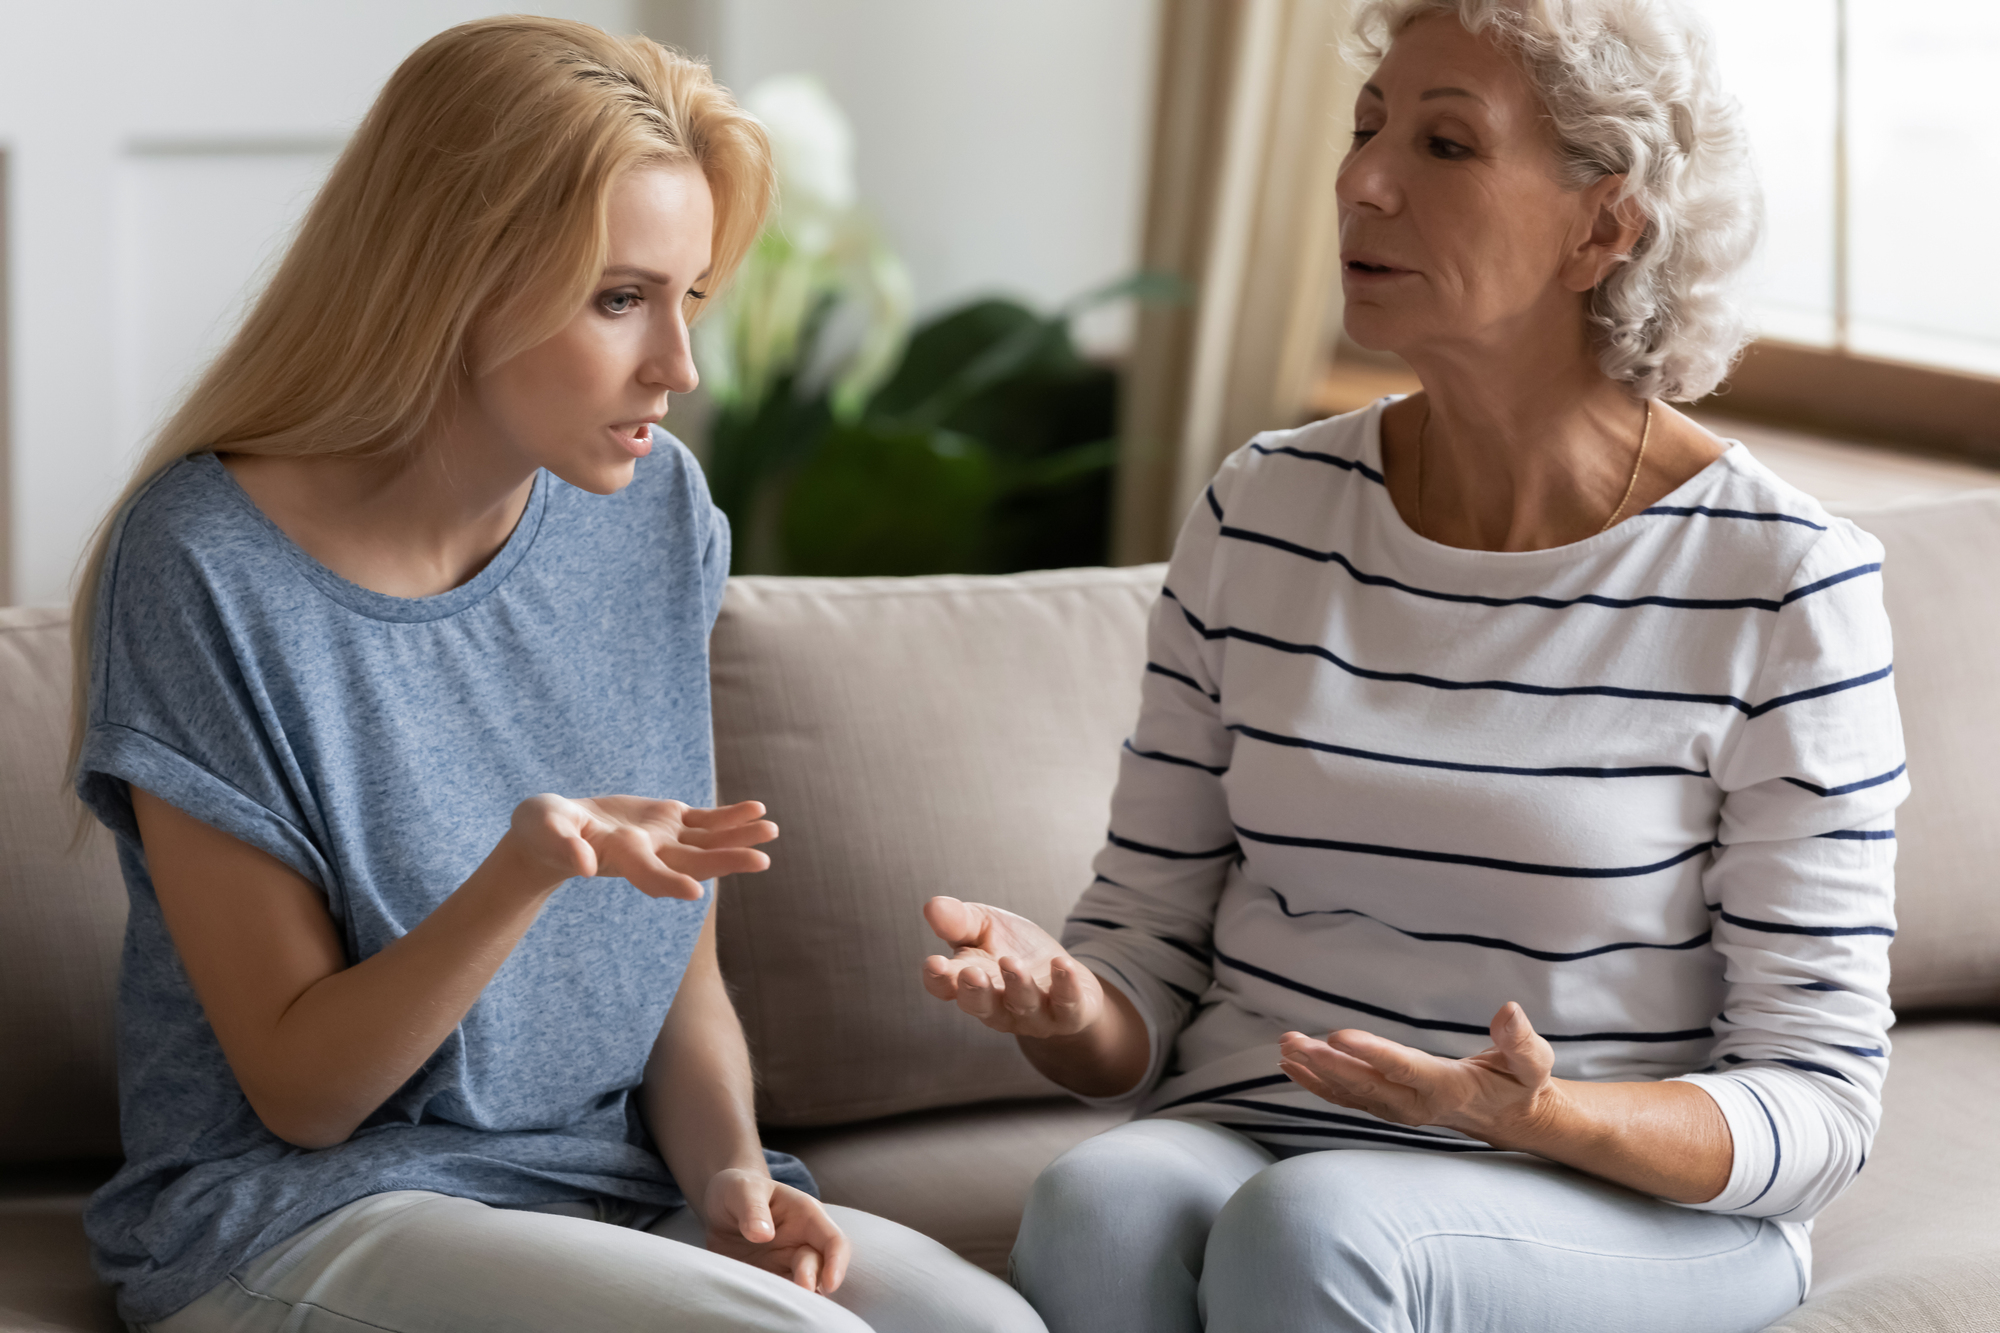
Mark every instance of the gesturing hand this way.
pixel 753 1218
pixel 1496 1095
pixel 1008 973
pixel 663 848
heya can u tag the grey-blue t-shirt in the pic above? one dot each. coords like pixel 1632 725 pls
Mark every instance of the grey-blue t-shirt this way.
pixel 378 745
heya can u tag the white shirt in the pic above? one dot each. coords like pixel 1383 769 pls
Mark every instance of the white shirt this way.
pixel 1641 784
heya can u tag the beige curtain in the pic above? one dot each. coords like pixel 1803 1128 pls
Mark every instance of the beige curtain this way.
pixel 1252 106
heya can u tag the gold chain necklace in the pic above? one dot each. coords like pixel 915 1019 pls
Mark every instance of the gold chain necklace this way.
pixel 1631 482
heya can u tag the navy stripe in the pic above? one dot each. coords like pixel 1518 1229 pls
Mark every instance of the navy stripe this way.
pixel 1851 787
pixel 1267 1081
pixel 1194 951
pixel 1168 852
pixel 1860 835
pixel 1821 691
pixel 1166 758
pixel 1365 1135
pixel 1102 879
pixel 1780 928
pixel 1518 687
pixel 1484 862
pixel 1299 742
pixel 1350 464
pixel 1807 1065
pixel 1214 503
pixel 1690 511
pixel 1442 1025
pixel 1488 942
pixel 1181 991
pixel 1866 1052
pixel 1831 579
pixel 1777 1144
pixel 1819 985
pixel 1097 921
pixel 1546 603
pixel 1333 1117
pixel 1188 681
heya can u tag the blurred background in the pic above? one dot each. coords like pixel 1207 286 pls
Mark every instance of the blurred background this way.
pixel 1039 264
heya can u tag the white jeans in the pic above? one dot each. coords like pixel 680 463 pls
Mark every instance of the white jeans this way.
pixel 416 1262
pixel 1175 1226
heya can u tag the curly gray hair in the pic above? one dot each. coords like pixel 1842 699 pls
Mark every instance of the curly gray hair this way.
pixel 1631 89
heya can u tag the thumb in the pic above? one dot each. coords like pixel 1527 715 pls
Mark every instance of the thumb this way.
pixel 753 1220
pixel 956 923
pixel 1515 1037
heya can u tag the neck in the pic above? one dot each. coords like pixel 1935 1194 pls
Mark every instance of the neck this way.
pixel 1527 445
pixel 412 527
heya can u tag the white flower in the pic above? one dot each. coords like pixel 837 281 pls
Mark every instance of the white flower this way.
pixel 812 146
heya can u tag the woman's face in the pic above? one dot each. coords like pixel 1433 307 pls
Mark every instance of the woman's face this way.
pixel 1454 226
pixel 582 403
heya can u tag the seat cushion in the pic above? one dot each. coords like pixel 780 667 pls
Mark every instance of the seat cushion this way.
pixel 911 737
pixel 1937 583
pixel 1914 1244
pixel 62 916
pixel 961 1176
pixel 46 1283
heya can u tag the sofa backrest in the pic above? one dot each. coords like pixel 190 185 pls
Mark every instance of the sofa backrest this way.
pixel 940 735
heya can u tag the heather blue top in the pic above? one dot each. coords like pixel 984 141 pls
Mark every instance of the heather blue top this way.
pixel 377 745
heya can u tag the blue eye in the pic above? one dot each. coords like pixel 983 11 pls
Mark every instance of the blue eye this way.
pixel 619 303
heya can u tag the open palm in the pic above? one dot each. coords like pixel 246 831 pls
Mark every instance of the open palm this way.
pixel 1008 972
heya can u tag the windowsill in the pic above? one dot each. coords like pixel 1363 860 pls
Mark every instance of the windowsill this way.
pixel 1832 469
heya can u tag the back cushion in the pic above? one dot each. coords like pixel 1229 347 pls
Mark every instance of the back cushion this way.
pixel 1945 613
pixel 911 737
pixel 62 916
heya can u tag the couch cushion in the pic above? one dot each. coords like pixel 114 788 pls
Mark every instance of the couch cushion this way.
pixel 62 916
pixel 960 1176
pixel 1937 581
pixel 1913 1246
pixel 911 737
pixel 46 1283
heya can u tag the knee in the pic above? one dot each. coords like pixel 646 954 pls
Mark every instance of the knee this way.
pixel 1318 1221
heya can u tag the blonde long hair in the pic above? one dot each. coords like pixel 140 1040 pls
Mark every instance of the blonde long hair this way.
pixel 473 196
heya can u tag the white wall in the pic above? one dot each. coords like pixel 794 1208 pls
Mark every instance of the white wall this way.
pixel 157 154
pixel 1002 145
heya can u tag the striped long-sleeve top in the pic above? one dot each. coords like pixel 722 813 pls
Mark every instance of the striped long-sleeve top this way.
pixel 1641 784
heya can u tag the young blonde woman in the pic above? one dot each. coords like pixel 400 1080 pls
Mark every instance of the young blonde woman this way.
pixel 420 1030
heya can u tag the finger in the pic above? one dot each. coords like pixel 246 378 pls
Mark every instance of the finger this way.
pixel 1065 994
pixel 941 977
pixel 956 923
pixel 977 994
pixel 1021 993
pixel 1525 1050
pixel 1394 1060
pixel 737 835
pixel 834 1255
pixel 709 865
pixel 753 1222
pixel 721 817
pixel 805 1267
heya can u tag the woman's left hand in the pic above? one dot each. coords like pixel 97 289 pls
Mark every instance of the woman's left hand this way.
pixel 1501 1095
pixel 774 1227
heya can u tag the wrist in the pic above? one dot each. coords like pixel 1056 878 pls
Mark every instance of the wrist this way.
pixel 511 869
pixel 1544 1118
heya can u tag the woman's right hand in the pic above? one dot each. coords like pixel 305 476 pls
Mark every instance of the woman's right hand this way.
pixel 1008 973
pixel 663 848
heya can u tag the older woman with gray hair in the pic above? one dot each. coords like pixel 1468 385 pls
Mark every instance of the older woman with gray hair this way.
pixel 1531 744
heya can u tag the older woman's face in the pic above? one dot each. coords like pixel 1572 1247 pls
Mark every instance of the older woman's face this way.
pixel 1454 226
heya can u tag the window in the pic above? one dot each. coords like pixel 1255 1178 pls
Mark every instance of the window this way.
pixel 1869 119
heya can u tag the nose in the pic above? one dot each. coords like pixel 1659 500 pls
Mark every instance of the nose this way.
pixel 1366 179
pixel 669 360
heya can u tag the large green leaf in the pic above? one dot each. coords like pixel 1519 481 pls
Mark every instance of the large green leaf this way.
pixel 871 501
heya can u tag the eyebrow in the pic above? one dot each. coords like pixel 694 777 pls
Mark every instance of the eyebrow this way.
pixel 1429 94
pixel 645 274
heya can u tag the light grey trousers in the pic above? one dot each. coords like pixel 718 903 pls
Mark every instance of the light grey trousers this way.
pixel 416 1262
pixel 1174 1226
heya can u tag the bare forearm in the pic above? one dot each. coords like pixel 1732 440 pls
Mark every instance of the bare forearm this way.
pixel 345 1045
pixel 699 1096
pixel 1664 1139
pixel 1105 1059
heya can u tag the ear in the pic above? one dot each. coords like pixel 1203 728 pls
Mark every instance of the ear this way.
pixel 1611 227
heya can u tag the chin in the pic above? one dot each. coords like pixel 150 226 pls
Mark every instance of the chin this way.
pixel 598 478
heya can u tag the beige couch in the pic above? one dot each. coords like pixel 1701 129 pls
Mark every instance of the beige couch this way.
pixel 959 735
